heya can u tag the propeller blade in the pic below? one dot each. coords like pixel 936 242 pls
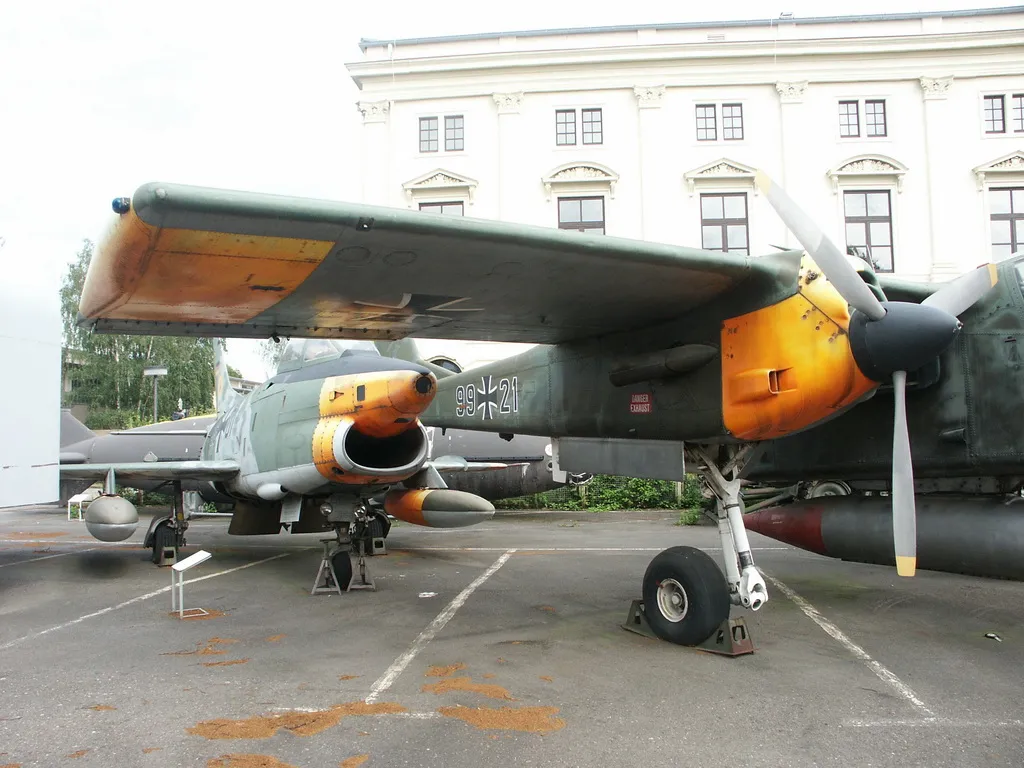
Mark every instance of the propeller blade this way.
pixel 826 255
pixel 904 514
pixel 961 294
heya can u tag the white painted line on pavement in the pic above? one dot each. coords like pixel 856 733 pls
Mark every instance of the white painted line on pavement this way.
pixel 48 557
pixel 139 599
pixel 883 672
pixel 398 665
pixel 934 721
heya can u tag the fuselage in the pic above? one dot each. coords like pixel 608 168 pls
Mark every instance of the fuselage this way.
pixel 957 408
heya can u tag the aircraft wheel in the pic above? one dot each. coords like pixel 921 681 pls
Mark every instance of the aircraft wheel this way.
pixel 342 563
pixel 685 596
pixel 163 536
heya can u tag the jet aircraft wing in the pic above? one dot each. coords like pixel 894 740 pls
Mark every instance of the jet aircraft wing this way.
pixel 187 260
pixel 127 472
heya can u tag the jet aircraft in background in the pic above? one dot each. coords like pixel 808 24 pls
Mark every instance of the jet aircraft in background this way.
pixel 312 448
pixel 660 353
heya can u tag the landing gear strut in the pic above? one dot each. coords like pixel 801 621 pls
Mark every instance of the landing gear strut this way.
pixel 686 600
pixel 168 535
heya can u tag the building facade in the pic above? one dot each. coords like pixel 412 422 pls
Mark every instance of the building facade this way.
pixel 902 135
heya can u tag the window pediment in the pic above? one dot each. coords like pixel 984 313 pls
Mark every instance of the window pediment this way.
pixel 718 171
pixel 580 175
pixel 1008 167
pixel 439 181
pixel 863 167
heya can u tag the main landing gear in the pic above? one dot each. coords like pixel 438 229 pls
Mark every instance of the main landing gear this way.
pixel 166 534
pixel 686 600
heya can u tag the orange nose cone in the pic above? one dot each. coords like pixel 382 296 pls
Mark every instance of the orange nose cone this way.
pixel 410 393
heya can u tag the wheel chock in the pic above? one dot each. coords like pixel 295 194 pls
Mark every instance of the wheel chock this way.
pixel 168 556
pixel 732 638
pixel 377 546
pixel 636 620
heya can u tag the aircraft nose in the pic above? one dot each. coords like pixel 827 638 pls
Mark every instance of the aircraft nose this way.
pixel 412 391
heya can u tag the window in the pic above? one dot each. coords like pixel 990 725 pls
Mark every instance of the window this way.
pixel 582 214
pixel 707 122
pixel 565 126
pixel 875 124
pixel 995 113
pixel 1006 208
pixel 874 117
pixel 732 122
pixel 723 223
pixel 592 131
pixel 428 134
pixel 849 119
pixel 454 133
pixel 454 208
pixel 869 226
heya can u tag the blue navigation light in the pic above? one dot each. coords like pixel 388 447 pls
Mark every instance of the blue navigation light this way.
pixel 122 204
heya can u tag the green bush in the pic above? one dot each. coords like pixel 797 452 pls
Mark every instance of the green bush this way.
pixel 607 492
pixel 111 418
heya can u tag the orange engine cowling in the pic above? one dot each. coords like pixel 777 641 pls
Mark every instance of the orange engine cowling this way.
pixel 369 430
pixel 438 507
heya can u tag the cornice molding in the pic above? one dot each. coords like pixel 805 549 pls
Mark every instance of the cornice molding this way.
pixel 580 174
pixel 863 166
pixel 718 171
pixel 437 180
pixel 1003 169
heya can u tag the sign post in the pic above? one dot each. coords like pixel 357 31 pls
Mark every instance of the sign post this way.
pixel 178 581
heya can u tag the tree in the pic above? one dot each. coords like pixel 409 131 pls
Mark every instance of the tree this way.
pixel 106 369
pixel 271 352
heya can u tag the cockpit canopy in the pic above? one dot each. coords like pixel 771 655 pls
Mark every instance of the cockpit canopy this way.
pixel 299 353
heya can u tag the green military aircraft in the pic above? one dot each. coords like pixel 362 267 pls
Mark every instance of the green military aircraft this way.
pixel 332 441
pixel 650 355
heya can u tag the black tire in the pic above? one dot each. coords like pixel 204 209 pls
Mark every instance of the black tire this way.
pixel 688 576
pixel 380 526
pixel 342 563
pixel 163 536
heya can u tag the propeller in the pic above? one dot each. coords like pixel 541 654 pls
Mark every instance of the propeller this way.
pixel 887 340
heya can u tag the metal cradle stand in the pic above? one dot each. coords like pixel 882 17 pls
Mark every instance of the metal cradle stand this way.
pixel 732 638
pixel 327 580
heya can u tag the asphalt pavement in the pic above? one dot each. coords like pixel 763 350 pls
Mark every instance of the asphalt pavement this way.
pixel 494 645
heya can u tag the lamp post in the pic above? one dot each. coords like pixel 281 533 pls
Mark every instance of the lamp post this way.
pixel 156 371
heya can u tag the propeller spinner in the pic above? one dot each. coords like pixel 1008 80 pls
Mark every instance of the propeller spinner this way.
pixel 888 339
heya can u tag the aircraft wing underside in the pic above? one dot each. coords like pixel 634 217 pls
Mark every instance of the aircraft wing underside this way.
pixel 188 260
pixel 127 472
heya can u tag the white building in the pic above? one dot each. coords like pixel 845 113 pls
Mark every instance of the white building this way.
pixel 902 132
pixel 30 389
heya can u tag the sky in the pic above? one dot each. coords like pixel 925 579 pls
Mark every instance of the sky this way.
pixel 97 98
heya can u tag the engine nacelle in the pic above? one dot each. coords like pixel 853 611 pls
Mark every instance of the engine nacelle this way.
pixel 438 507
pixel 111 518
pixel 396 456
